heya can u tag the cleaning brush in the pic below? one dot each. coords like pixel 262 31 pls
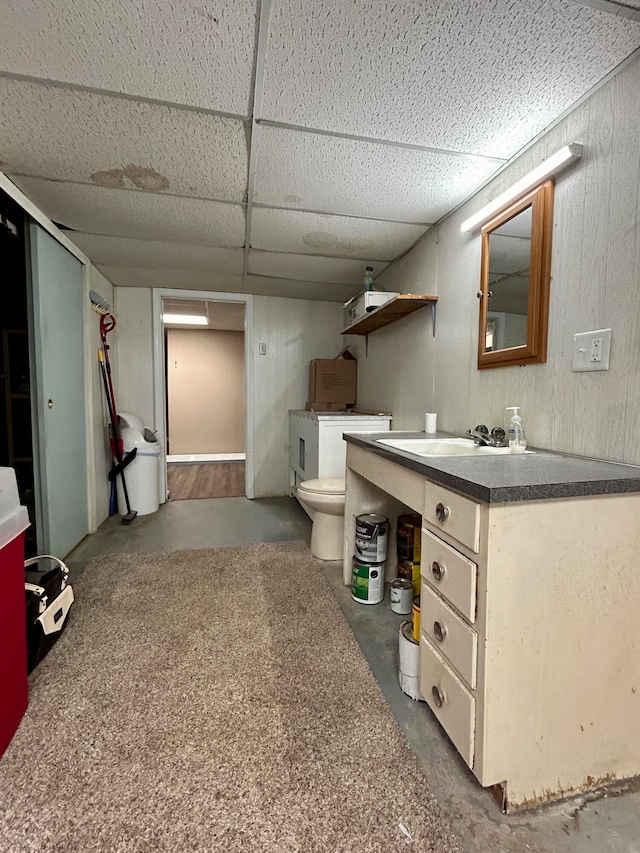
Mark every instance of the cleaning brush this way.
pixel 99 305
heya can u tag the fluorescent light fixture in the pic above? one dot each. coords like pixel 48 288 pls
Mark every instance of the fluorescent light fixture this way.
pixel 551 166
pixel 185 319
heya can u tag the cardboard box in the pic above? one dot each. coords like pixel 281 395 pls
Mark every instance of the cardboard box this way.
pixel 333 380
pixel 328 407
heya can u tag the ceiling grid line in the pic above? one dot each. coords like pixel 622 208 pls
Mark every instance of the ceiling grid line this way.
pixel 258 85
pixel 389 143
pixel 122 96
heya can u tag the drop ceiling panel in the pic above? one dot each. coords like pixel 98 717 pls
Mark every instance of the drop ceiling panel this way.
pixel 332 236
pixel 453 74
pixel 67 134
pixel 194 53
pixel 137 214
pixel 124 252
pixel 198 280
pixel 328 173
pixel 310 267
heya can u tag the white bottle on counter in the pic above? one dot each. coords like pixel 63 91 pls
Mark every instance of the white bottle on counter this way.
pixel 517 437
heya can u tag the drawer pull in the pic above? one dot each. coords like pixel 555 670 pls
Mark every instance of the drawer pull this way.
pixel 438 696
pixel 440 631
pixel 442 512
pixel 437 570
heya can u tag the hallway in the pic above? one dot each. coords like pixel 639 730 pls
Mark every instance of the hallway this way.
pixel 582 825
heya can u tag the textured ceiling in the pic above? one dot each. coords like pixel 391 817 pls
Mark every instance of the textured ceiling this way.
pixel 281 147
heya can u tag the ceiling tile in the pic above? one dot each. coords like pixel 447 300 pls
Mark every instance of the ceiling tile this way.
pixel 310 267
pixel 136 214
pixel 328 173
pixel 124 252
pixel 484 78
pixel 185 52
pixel 332 236
pixel 60 133
pixel 182 279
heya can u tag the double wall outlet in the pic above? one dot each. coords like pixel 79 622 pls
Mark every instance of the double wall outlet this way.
pixel 591 350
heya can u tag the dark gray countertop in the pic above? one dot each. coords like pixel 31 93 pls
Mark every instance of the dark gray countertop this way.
pixel 503 479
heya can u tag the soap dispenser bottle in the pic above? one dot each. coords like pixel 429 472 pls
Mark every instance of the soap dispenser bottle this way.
pixel 517 438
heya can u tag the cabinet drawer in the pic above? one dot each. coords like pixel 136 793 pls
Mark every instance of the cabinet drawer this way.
pixel 453 514
pixel 449 634
pixel 451 574
pixel 449 699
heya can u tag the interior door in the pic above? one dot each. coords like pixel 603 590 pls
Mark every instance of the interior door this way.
pixel 59 400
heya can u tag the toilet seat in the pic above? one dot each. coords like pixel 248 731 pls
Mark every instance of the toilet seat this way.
pixel 324 486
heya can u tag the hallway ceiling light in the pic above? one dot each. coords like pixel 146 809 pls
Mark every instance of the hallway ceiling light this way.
pixel 185 319
pixel 551 166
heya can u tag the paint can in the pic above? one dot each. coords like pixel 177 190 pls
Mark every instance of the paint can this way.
pixel 371 537
pixel 408 535
pixel 401 595
pixel 415 618
pixel 411 572
pixel 367 581
pixel 409 663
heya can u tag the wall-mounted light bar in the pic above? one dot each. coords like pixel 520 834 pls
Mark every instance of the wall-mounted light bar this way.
pixel 551 166
pixel 185 319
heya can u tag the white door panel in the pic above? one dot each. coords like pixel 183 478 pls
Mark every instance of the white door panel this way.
pixel 59 404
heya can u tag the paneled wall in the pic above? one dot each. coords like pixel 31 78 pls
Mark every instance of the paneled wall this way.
pixel 294 330
pixel 595 284
pixel 134 361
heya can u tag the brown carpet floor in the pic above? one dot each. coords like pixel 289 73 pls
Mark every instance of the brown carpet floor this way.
pixel 211 700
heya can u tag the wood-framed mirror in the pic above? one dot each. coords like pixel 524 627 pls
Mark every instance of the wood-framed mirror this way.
pixel 514 282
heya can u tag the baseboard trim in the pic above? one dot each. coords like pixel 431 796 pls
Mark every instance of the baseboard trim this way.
pixel 207 457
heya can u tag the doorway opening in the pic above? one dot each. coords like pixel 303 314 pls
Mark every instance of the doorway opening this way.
pixel 16 432
pixel 205 396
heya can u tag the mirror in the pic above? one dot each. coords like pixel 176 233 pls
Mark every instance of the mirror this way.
pixel 514 282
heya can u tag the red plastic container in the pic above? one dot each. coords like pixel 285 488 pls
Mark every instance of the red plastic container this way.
pixel 14 520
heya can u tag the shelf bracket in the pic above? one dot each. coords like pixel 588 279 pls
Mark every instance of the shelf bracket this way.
pixel 366 346
pixel 433 318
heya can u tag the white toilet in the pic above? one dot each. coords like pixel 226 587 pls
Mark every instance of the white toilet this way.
pixel 326 498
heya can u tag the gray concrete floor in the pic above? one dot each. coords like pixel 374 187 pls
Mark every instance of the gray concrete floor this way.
pixel 609 823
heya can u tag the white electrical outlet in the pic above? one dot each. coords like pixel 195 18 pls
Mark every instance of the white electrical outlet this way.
pixel 591 350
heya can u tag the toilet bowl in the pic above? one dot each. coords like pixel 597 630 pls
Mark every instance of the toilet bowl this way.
pixel 326 498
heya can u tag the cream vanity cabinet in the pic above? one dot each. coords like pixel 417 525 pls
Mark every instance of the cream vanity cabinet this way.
pixel 530 625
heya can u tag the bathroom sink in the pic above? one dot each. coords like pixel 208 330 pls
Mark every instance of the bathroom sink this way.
pixel 442 446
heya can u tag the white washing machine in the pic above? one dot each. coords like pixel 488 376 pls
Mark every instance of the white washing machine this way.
pixel 316 446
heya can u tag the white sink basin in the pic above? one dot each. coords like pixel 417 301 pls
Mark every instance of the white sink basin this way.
pixel 442 447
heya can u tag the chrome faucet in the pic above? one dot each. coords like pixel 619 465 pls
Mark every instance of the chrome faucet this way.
pixel 481 435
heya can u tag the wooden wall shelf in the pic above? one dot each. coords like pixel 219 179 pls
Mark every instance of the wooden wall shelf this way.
pixel 394 309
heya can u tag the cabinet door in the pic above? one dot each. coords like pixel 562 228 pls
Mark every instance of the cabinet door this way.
pixel 59 406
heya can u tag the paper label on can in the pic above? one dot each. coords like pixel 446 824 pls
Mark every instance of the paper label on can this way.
pixel 371 540
pixel 367 582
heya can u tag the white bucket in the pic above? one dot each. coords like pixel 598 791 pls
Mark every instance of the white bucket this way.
pixel 409 665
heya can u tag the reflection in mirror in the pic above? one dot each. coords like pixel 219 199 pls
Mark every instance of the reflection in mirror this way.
pixel 509 263
pixel 515 282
